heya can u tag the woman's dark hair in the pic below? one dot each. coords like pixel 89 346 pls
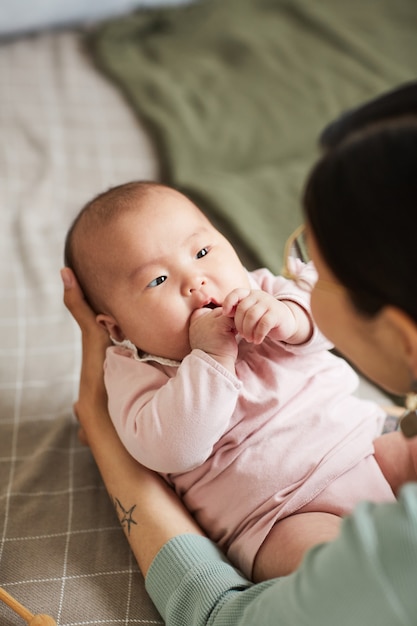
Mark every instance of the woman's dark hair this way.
pixel 394 104
pixel 360 201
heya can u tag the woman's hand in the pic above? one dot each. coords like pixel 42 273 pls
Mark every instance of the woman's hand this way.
pixel 160 515
pixel 92 398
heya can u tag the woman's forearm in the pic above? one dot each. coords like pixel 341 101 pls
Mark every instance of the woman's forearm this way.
pixel 148 510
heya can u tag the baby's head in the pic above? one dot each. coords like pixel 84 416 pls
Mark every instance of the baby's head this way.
pixel 85 253
pixel 146 257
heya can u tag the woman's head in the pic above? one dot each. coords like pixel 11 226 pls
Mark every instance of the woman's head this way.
pixel 398 103
pixel 360 204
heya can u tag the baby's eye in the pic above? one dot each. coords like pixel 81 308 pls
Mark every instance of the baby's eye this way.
pixel 157 281
pixel 202 253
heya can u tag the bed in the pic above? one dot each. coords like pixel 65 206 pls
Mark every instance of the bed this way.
pixel 224 100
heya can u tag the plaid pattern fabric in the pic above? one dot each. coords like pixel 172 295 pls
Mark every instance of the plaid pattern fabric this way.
pixel 66 134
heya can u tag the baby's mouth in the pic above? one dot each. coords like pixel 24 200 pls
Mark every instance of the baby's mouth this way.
pixel 211 305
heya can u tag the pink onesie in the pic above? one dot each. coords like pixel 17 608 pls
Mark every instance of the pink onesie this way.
pixel 245 450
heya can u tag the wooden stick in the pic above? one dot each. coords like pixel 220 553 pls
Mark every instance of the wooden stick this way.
pixel 32 620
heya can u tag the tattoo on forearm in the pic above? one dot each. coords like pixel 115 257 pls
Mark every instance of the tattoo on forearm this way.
pixel 124 515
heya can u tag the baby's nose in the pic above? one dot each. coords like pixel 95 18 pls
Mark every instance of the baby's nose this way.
pixel 193 283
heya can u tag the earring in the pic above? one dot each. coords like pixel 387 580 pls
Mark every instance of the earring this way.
pixel 408 421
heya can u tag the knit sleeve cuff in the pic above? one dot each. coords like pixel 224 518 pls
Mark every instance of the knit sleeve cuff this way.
pixel 188 578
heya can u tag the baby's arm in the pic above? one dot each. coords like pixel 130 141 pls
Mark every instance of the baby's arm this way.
pixel 258 314
pixel 169 424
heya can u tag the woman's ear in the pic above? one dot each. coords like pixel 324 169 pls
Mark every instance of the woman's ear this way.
pixel 407 331
pixel 109 323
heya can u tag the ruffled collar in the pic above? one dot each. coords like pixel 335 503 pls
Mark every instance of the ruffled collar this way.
pixel 138 355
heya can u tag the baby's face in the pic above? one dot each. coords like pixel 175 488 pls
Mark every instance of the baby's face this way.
pixel 163 262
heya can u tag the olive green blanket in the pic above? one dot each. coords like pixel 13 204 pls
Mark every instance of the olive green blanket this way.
pixel 235 92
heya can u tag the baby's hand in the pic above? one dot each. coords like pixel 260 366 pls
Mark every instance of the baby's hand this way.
pixel 258 314
pixel 214 333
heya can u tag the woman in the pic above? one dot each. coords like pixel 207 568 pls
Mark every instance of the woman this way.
pixel 360 207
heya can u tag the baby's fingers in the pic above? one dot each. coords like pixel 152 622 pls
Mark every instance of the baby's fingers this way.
pixel 232 300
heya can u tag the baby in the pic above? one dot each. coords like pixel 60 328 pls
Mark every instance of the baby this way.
pixel 220 381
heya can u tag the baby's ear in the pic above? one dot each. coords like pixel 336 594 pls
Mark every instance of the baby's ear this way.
pixel 109 323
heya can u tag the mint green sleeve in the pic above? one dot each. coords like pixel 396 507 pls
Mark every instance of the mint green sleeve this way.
pixel 367 576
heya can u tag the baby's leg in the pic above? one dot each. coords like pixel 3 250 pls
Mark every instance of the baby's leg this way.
pixel 283 549
pixel 397 458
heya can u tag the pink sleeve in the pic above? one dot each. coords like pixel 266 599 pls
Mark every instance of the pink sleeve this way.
pixel 170 424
